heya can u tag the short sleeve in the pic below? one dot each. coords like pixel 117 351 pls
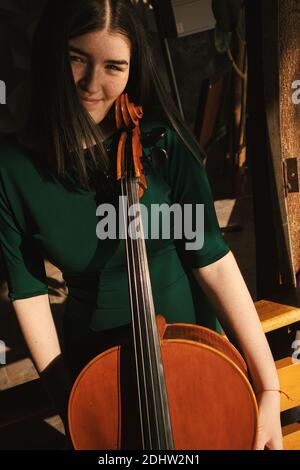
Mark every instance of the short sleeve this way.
pixel 189 184
pixel 23 261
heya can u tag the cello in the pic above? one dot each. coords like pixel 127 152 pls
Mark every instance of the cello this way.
pixel 162 386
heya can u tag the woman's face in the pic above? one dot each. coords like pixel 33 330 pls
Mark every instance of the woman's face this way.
pixel 100 64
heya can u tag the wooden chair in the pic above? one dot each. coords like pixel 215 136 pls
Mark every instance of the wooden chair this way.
pixel 276 315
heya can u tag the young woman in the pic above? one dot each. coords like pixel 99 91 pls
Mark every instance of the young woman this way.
pixel 54 175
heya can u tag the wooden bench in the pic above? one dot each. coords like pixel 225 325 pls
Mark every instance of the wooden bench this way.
pixel 275 315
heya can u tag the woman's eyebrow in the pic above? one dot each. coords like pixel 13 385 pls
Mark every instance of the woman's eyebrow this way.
pixel 79 51
pixel 109 61
pixel 117 62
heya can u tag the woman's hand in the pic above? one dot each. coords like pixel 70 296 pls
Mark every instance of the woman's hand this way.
pixel 58 384
pixel 269 434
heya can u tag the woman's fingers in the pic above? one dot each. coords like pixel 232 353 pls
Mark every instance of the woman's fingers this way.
pixel 275 444
pixel 262 443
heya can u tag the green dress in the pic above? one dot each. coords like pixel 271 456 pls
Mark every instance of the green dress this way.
pixel 42 218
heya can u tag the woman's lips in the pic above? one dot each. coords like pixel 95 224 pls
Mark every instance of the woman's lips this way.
pixel 89 102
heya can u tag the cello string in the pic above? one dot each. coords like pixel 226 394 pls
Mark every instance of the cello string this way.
pixel 152 324
pixel 154 352
pixel 134 198
pixel 134 335
pixel 142 342
pixel 149 320
pixel 145 276
pixel 139 330
pixel 145 287
pixel 132 247
pixel 140 368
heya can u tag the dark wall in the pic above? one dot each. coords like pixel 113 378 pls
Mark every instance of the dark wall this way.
pixel 195 59
pixel 17 23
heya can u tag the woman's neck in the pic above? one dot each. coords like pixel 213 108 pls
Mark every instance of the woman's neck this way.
pixel 107 126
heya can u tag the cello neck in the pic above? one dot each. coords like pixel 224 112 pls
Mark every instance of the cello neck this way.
pixel 153 403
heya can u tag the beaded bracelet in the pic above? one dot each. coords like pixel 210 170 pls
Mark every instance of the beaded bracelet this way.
pixel 274 390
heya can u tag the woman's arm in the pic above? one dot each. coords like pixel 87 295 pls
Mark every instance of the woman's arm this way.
pixel 226 289
pixel 37 325
pixel 38 328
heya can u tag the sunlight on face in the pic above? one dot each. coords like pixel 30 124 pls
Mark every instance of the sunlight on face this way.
pixel 100 63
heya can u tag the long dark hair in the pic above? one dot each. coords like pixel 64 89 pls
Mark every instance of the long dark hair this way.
pixel 57 118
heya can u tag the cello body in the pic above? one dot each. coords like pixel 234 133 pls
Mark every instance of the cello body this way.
pixel 212 405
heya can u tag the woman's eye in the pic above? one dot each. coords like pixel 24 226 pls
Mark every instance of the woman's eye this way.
pixel 76 58
pixel 115 67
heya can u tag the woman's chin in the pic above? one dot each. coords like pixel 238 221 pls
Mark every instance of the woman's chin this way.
pixel 97 117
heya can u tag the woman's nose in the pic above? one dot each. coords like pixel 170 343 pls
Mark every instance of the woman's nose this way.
pixel 92 80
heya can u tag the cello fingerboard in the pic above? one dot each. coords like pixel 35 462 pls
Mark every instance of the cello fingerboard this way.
pixel 154 413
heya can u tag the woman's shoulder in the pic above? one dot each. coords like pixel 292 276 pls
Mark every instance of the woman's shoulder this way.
pixel 154 118
pixel 156 129
pixel 164 134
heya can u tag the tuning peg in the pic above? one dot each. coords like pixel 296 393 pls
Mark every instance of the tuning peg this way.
pixel 158 156
pixel 149 139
